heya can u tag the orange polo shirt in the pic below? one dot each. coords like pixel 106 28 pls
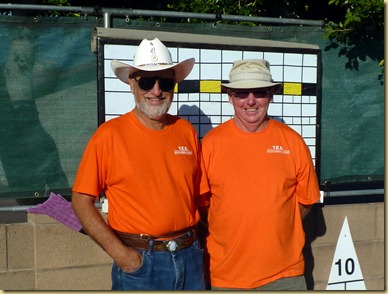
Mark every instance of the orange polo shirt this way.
pixel 149 177
pixel 256 181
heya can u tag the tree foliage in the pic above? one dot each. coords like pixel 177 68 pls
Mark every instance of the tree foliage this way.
pixel 363 22
pixel 307 9
pixel 230 7
pixel 364 19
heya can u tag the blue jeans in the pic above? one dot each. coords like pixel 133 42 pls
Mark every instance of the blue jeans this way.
pixel 164 270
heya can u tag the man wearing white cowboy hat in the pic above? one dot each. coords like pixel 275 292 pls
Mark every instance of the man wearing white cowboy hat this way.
pixel 262 183
pixel 147 163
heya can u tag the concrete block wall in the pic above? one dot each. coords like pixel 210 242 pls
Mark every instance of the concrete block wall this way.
pixel 43 254
pixel 367 226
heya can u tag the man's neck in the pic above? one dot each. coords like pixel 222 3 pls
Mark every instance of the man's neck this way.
pixel 153 124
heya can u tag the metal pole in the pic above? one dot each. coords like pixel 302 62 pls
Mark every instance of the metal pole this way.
pixel 327 194
pixel 354 193
pixel 15 208
pixel 25 207
pixel 107 20
pixel 11 6
pixel 173 14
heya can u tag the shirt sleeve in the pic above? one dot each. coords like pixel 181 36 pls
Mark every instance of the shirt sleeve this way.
pixel 90 175
pixel 307 189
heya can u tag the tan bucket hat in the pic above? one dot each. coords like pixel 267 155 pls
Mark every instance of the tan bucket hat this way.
pixel 152 55
pixel 251 74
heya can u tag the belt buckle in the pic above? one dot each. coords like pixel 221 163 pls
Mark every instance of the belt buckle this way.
pixel 172 245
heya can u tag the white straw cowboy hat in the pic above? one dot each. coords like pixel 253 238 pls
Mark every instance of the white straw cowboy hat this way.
pixel 152 55
pixel 251 74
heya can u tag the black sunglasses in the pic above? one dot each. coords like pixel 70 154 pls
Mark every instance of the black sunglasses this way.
pixel 243 94
pixel 147 83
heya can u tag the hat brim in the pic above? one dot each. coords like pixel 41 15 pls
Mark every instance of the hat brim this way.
pixel 252 84
pixel 181 69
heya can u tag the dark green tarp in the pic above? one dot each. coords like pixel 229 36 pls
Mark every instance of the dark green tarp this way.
pixel 47 103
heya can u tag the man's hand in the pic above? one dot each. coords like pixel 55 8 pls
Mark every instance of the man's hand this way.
pixel 131 260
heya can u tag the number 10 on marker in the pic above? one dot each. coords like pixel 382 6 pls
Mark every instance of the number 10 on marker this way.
pixel 345 271
pixel 348 266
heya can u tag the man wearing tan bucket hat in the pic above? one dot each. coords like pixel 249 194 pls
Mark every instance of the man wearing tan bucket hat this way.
pixel 262 183
pixel 147 163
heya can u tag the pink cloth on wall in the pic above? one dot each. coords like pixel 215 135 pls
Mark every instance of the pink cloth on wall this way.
pixel 59 209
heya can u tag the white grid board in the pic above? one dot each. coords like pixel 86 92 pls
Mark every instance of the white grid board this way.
pixel 206 109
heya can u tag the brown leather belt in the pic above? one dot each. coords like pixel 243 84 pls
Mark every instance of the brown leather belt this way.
pixel 184 238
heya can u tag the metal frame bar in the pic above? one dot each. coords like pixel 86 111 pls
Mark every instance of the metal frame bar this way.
pixel 107 13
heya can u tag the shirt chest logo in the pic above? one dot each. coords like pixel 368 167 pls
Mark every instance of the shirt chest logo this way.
pixel 278 149
pixel 183 150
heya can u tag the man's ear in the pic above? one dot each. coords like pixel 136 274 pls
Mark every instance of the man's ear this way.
pixel 230 97
pixel 131 85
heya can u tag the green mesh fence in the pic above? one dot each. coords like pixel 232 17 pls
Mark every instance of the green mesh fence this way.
pixel 47 104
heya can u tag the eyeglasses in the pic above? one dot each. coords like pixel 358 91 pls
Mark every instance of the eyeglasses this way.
pixel 243 94
pixel 147 83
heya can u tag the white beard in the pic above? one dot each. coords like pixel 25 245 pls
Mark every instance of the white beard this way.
pixel 153 111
